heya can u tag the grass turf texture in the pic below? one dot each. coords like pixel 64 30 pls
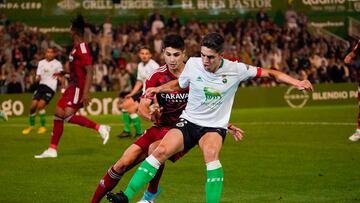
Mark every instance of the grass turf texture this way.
pixel 287 155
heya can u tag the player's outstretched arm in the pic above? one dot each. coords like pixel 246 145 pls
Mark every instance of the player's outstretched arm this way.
pixel 136 88
pixel 170 86
pixel 282 77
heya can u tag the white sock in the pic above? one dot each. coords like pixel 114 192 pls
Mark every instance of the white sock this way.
pixel 153 161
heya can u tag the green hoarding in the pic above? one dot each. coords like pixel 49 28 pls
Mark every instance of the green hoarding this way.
pixel 250 97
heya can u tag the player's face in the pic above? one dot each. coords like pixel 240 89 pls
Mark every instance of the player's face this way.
pixel 210 59
pixel 144 55
pixel 50 54
pixel 173 57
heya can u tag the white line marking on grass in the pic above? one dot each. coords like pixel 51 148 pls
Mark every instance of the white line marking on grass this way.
pixel 238 123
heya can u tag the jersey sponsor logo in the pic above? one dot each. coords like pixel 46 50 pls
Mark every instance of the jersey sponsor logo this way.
pixel 83 48
pixel 213 97
pixel 212 93
pixel 175 97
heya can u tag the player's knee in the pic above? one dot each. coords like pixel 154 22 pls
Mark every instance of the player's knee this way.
pixel 58 117
pixel 160 153
pixel 152 147
pixel 40 106
pixel 67 117
pixel 32 109
pixel 210 154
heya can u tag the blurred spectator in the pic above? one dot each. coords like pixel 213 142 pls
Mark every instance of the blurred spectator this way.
pixel 157 24
pixel 173 22
pixel 14 86
pixel 94 49
pixel 158 43
pixel 4 20
pixel 291 17
pixel 100 74
pixel 106 38
pixel 261 17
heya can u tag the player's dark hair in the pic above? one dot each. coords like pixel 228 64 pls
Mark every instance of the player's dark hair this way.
pixel 145 47
pixel 54 49
pixel 174 41
pixel 214 41
pixel 78 25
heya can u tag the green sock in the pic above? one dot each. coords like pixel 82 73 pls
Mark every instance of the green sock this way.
pixel 32 119
pixel 137 123
pixel 214 185
pixel 42 117
pixel 143 175
pixel 126 120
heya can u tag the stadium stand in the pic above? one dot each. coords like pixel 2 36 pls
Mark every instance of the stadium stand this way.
pixel 292 48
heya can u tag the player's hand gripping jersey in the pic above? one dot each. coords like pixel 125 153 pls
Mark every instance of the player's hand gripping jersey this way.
pixel 172 103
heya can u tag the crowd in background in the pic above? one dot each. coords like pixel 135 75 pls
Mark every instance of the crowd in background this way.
pixel 290 48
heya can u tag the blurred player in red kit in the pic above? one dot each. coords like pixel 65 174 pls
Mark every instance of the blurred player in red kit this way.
pixel 77 93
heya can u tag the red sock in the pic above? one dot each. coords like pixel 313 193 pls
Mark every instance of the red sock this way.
pixel 57 132
pixel 154 183
pixel 107 183
pixel 83 121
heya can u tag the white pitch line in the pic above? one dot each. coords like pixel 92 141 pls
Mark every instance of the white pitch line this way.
pixel 239 123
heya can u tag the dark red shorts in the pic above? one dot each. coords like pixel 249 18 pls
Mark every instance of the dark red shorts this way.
pixel 71 98
pixel 152 135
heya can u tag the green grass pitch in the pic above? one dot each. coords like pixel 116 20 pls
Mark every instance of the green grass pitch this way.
pixel 287 155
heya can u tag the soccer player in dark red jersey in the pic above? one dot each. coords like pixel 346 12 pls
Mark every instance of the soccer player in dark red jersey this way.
pixel 77 93
pixel 212 82
pixel 164 113
pixel 350 56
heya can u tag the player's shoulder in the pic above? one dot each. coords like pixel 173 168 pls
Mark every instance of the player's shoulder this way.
pixel 154 63
pixel 42 61
pixel 57 62
pixel 194 63
pixel 194 60
pixel 235 65
pixel 159 72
